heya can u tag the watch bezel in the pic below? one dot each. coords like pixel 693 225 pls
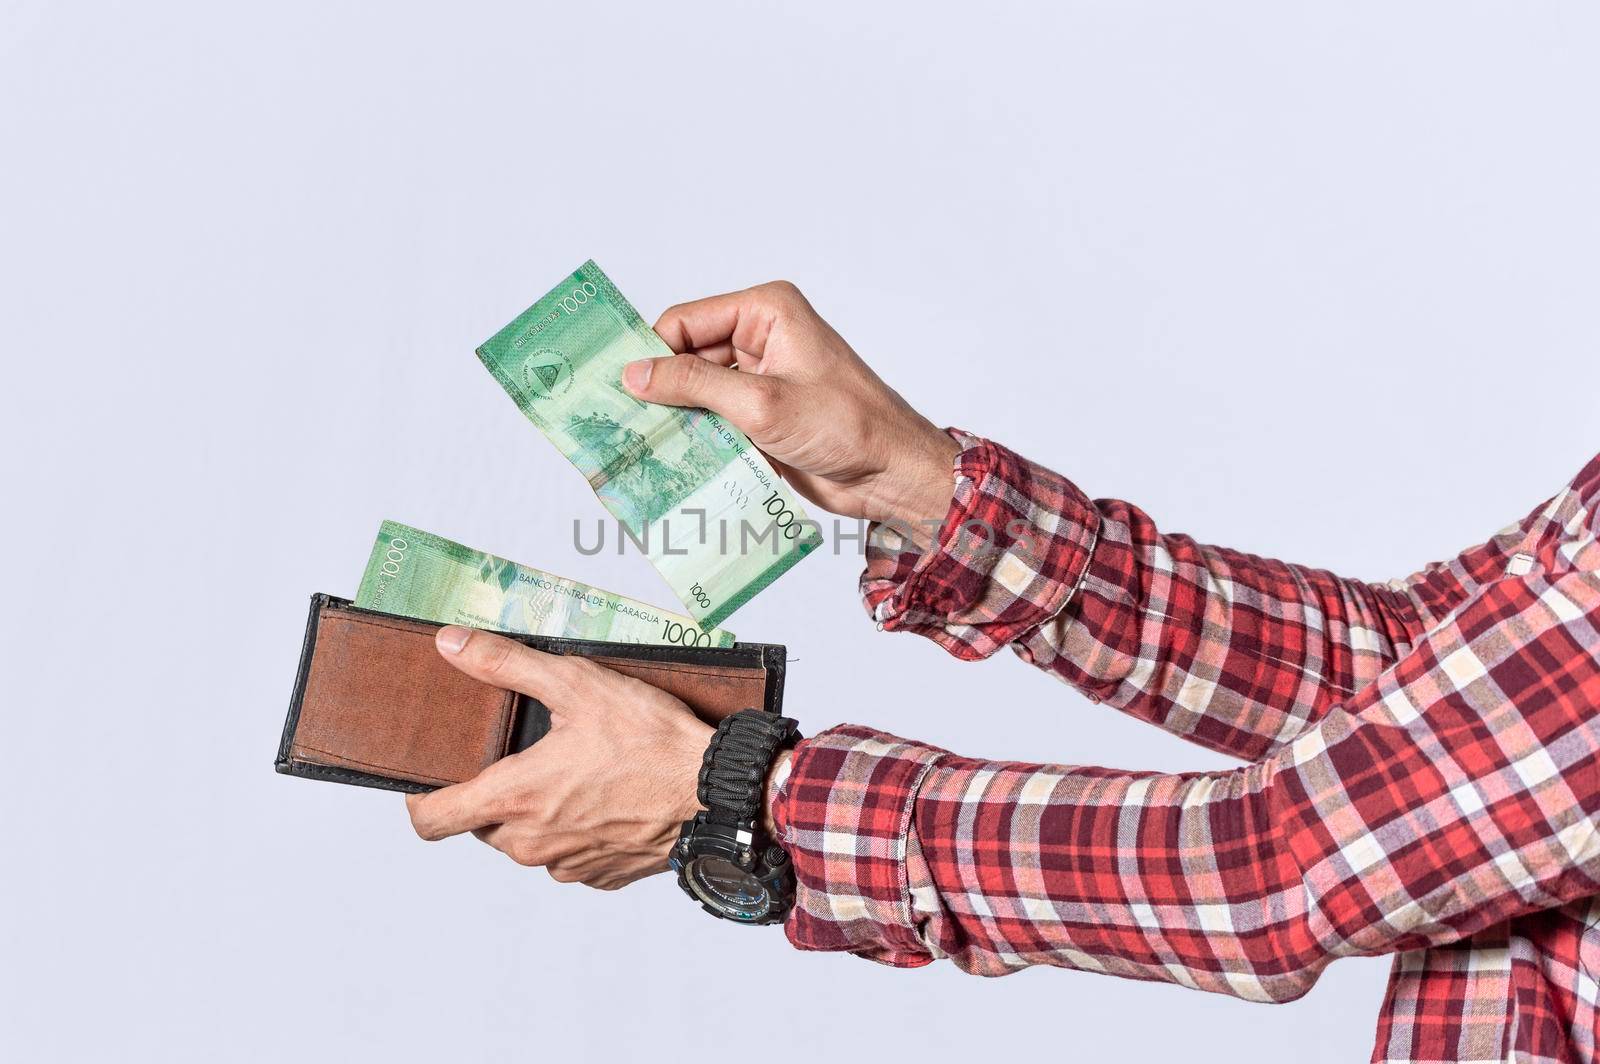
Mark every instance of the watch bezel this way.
pixel 715 899
pixel 763 862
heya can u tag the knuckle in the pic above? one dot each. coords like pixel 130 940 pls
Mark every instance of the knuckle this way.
pixel 525 854
pixel 494 656
pixel 782 291
pixel 784 297
pixel 689 371
pixel 422 821
pixel 581 676
pixel 500 809
pixel 563 874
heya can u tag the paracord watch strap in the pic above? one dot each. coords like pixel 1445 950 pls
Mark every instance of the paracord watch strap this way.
pixel 733 772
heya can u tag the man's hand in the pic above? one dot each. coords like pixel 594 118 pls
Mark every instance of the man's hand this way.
pixel 834 430
pixel 600 799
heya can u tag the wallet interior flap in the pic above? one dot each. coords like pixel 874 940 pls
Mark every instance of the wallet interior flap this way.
pixel 379 699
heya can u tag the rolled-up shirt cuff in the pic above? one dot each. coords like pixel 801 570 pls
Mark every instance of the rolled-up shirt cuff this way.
pixel 1009 556
pixel 843 812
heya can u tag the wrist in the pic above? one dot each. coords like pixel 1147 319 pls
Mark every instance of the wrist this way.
pixel 687 757
pixel 776 775
pixel 916 492
pixel 726 857
pixel 743 767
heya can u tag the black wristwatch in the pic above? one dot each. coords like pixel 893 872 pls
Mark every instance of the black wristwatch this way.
pixel 723 858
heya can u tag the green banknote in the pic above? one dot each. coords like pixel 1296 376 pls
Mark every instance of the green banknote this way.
pixel 689 489
pixel 418 574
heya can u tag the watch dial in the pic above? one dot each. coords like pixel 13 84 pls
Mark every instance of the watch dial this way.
pixel 728 888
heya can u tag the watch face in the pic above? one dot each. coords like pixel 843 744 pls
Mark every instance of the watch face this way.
pixel 728 888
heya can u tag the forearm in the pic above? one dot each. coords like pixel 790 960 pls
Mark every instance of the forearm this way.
pixel 1457 791
pixel 1235 652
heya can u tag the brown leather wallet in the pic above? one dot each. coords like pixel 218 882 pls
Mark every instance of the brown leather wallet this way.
pixel 376 706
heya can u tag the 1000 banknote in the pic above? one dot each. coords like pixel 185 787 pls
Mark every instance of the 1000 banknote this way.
pixel 690 489
pixel 418 574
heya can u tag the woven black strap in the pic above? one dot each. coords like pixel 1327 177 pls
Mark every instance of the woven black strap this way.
pixel 734 770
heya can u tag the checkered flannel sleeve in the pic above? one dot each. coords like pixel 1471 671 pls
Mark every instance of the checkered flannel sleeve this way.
pixel 1232 651
pixel 1457 790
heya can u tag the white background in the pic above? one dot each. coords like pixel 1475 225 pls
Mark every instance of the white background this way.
pixel 1311 280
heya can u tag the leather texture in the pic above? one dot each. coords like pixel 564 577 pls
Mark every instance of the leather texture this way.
pixel 375 705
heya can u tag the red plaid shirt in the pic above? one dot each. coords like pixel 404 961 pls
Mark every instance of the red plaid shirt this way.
pixel 1422 775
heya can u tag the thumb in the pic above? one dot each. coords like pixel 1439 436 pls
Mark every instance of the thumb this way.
pixel 749 400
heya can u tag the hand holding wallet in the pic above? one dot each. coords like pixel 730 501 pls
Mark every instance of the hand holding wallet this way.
pixel 375 705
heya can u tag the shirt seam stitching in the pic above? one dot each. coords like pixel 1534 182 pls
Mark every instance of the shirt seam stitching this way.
pixel 906 816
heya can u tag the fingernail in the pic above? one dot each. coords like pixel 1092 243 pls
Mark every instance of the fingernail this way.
pixel 452 638
pixel 636 375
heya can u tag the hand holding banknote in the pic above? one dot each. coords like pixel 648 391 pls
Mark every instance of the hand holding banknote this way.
pixel 598 800
pixel 766 361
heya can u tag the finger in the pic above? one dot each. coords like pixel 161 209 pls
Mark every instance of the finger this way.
pixel 750 400
pixel 565 872
pixel 557 680
pixel 704 322
pixel 451 810
pixel 524 847
pixel 723 354
pixel 745 318
pixel 586 868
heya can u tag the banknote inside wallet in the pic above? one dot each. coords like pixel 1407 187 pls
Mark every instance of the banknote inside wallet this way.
pixel 375 704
